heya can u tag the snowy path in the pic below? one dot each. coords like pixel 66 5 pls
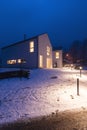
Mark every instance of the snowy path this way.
pixel 45 92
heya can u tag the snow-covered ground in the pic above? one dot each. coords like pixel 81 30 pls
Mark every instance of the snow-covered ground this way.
pixel 47 91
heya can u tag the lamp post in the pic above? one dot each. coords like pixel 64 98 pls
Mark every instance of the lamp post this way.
pixel 78 86
pixel 71 66
pixel 80 70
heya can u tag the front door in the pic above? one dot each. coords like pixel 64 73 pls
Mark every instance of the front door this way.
pixel 48 63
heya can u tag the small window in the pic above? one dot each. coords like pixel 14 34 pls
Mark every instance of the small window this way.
pixel 11 62
pixel 48 50
pixel 32 46
pixel 57 55
pixel 19 61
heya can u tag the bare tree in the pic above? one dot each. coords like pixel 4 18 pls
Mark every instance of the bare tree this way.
pixel 84 51
pixel 75 51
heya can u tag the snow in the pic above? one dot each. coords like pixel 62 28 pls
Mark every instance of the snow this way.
pixel 46 91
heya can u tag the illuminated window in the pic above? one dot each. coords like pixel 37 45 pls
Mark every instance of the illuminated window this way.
pixel 41 61
pixel 48 62
pixel 57 55
pixel 11 62
pixel 32 46
pixel 48 50
pixel 19 61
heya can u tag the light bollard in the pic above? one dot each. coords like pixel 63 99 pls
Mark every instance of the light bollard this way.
pixel 78 86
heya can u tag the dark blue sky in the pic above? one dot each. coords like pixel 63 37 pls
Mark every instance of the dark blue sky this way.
pixel 64 20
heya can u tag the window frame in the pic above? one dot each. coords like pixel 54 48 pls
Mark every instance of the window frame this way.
pixel 48 50
pixel 11 62
pixel 57 55
pixel 31 46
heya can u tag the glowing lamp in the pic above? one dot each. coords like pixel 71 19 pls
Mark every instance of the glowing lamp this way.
pixel 80 67
pixel 80 70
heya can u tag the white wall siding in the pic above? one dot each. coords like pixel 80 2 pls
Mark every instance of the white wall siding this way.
pixel 43 42
pixel 37 59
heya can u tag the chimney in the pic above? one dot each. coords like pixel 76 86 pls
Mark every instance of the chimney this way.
pixel 24 37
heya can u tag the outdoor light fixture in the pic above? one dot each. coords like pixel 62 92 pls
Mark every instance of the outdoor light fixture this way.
pixel 71 66
pixel 80 70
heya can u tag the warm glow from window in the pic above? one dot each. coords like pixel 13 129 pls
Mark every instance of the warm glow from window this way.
pixel 19 61
pixel 48 63
pixel 57 55
pixel 32 46
pixel 11 62
pixel 41 61
pixel 48 50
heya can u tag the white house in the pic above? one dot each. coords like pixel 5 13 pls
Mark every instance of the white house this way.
pixel 35 52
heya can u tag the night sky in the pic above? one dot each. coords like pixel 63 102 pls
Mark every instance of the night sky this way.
pixel 63 20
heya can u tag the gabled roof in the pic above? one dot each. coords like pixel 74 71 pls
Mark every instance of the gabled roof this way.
pixel 23 41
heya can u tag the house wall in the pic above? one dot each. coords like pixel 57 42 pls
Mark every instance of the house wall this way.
pixel 57 63
pixel 43 42
pixel 21 51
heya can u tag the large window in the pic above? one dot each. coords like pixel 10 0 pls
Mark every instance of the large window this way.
pixel 41 61
pixel 19 61
pixel 48 50
pixel 31 46
pixel 48 60
pixel 11 62
pixel 57 55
